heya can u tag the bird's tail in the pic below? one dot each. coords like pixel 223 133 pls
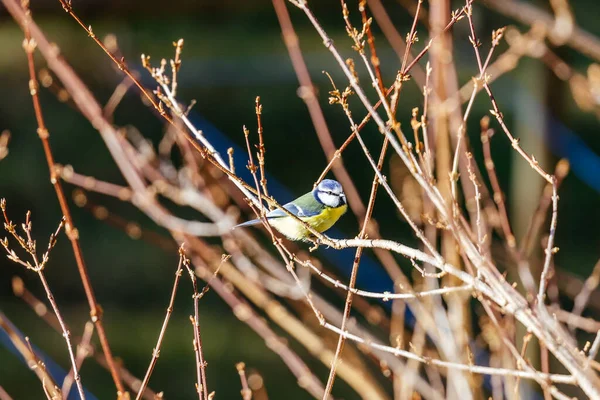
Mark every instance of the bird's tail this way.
pixel 249 223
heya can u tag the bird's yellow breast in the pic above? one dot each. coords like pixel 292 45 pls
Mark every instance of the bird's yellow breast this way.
pixel 294 230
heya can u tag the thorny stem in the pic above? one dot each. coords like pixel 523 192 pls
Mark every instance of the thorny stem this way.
pixel 523 269
pixel 70 229
pixel 411 38
pixel 460 134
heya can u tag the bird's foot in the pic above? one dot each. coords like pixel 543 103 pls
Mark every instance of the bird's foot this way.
pixel 316 242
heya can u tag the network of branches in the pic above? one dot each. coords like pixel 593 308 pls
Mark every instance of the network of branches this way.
pixel 455 209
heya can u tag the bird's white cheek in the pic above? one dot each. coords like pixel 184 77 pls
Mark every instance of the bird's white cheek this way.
pixel 328 199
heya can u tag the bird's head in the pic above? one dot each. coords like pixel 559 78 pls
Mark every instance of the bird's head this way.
pixel 330 193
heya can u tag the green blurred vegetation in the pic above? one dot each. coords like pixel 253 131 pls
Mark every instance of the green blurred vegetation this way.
pixel 233 52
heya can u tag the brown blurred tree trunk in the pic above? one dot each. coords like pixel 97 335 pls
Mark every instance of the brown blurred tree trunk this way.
pixel 444 124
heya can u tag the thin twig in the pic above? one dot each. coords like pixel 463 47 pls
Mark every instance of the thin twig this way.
pixel 385 296
pixel 84 348
pixel 590 284
pixel 486 135
pixel 537 220
pixel 558 378
pixel 261 147
pixel 595 347
pixel 116 97
pixel 201 386
pixel 496 111
pixel 550 249
pixel 245 392
pixel 163 329
pixel 496 36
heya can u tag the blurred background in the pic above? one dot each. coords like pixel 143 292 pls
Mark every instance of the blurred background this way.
pixel 234 52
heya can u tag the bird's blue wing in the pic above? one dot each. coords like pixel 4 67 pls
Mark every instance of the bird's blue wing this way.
pixel 298 207
pixel 291 207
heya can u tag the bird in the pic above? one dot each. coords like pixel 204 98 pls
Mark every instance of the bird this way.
pixel 320 209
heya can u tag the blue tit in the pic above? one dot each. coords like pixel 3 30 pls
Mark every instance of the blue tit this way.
pixel 320 209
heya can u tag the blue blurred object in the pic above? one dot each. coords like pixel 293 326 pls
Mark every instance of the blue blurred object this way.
pixel 584 163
